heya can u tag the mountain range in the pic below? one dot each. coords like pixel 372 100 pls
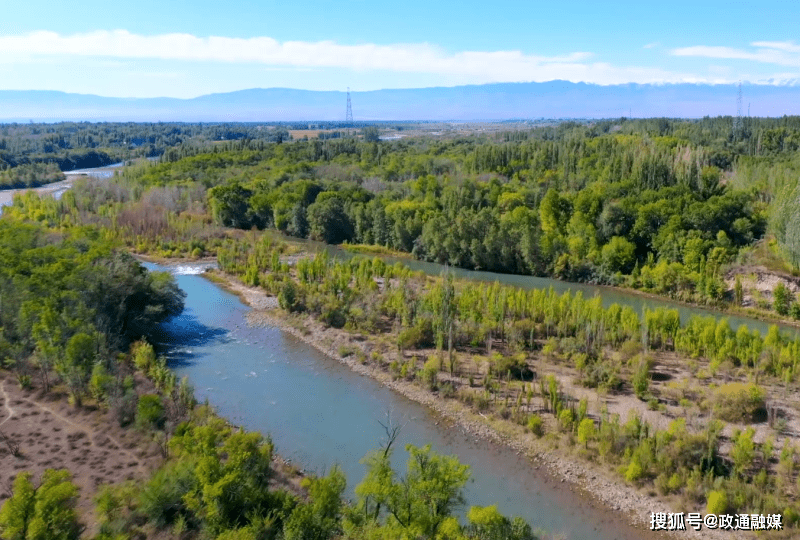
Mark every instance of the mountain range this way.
pixel 554 99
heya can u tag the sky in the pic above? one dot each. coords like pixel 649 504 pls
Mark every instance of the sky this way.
pixel 184 49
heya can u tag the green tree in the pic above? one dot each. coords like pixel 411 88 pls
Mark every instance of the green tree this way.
pixel 618 255
pixel 75 367
pixel 744 451
pixel 321 518
pixel 486 523
pixel 150 411
pixel 641 378
pixel 17 511
pixel 43 513
pixel 424 498
pixel 586 431
pixel 328 221
pixel 54 516
pixel 229 205
pixel 232 474
pixel 738 291
pixel 783 299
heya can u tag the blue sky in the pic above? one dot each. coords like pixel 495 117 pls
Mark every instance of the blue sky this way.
pixel 187 48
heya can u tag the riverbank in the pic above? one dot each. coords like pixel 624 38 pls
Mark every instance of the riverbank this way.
pixel 590 481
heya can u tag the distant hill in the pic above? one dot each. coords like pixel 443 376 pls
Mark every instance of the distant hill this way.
pixel 554 99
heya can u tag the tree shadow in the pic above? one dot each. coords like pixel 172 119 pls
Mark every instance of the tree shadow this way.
pixel 179 335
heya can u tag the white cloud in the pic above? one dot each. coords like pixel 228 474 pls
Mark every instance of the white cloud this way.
pixel 782 53
pixel 787 46
pixel 368 59
pixel 466 66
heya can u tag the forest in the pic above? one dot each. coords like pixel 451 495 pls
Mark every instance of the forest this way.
pixel 663 206
pixel 660 205
pixel 34 154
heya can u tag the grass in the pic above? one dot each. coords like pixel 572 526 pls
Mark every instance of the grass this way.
pixel 766 253
pixel 373 249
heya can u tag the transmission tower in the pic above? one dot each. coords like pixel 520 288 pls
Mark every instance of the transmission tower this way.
pixel 349 115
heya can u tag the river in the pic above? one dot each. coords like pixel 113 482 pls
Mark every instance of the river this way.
pixel 320 413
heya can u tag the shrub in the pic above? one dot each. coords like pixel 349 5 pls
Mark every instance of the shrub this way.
pixel 515 365
pixel 717 502
pixel 418 336
pixel 482 401
pixel 737 402
pixel 662 483
pixel 100 384
pixel 675 482
pixel 790 516
pixel 602 374
pixel 346 350
pixel 566 419
pixel 629 349
pixel 289 297
pixel 634 471
pixel 143 355
pixel 150 411
pixel 429 371
pixel 447 390
pixel 24 381
pixel 783 299
pixel 536 425
pixel 162 499
pixel 124 407
pixel 113 507
pixel 333 314
pixel 640 381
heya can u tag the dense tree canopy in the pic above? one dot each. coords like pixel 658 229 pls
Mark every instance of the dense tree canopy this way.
pixel 70 299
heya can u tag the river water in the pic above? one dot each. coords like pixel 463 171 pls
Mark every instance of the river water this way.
pixel 320 413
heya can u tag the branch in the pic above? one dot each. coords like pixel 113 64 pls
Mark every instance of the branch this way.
pixel 392 432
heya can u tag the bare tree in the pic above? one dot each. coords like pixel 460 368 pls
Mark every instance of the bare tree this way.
pixel 392 431
pixel 13 447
